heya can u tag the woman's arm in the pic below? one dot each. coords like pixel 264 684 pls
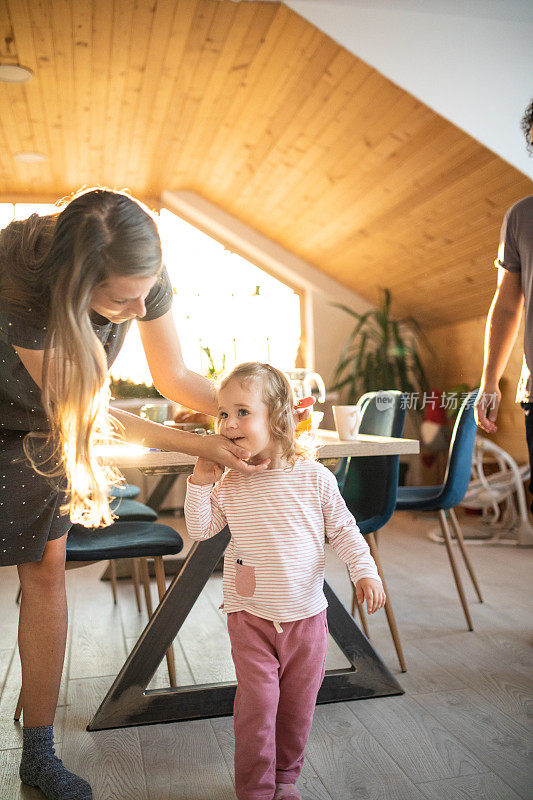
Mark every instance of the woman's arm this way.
pixel 170 375
pixel 150 434
pixel 214 448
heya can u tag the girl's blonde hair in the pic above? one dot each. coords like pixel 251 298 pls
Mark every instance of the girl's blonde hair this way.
pixel 277 394
pixel 49 268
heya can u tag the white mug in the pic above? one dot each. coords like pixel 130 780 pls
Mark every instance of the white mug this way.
pixel 347 421
pixel 156 412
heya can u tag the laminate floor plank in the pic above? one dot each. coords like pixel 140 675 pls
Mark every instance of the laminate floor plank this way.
pixel 133 621
pixel 98 645
pixel 487 670
pixel 495 738
pixel 471 787
pixel 351 763
pixel 5 661
pixel 518 650
pixel 9 617
pixel 426 750
pixel 423 674
pixel 110 760
pixel 204 639
pixel 182 761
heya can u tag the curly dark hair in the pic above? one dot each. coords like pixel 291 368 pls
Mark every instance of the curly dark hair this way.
pixel 526 123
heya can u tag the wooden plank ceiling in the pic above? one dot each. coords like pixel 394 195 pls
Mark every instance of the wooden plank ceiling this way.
pixel 257 110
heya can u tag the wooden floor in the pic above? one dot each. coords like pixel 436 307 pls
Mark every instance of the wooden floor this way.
pixel 461 731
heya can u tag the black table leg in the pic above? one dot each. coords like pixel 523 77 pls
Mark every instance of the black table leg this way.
pixel 128 702
pixel 161 489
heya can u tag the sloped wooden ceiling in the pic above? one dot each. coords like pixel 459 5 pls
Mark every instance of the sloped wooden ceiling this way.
pixel 254 108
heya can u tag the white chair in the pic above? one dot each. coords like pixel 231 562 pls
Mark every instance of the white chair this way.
pixel 499 495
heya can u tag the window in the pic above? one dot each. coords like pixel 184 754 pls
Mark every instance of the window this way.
pixel 221 302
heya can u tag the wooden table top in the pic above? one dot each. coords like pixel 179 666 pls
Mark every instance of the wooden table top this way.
pixel 329 447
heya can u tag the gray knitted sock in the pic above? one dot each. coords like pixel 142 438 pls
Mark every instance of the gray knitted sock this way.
pixel 41 767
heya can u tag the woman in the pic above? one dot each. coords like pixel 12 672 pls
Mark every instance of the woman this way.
pixel 70 285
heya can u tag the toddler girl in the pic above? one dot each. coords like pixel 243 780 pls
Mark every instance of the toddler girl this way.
pixel 274 575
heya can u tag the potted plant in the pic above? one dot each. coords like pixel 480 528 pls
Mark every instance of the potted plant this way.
pixel 122 389
pixel 381 353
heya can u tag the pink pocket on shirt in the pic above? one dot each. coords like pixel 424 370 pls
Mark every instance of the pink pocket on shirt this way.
pixel 244 579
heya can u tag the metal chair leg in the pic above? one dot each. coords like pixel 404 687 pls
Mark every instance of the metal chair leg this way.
pixel 466 558
pixel 457 577
pixel 162 587
pixel 136 582
pixel 388 605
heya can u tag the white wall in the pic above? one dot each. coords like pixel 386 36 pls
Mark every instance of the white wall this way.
pixel 469 60
pixel 326 326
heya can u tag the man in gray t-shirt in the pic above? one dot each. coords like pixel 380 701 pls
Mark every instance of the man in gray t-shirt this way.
pixel 514 291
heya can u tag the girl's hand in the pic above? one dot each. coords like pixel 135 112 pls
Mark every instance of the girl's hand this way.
pixel 225 453
pixel 372 590
pixel 206 472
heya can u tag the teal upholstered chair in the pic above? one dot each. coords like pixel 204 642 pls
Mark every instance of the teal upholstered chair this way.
pixel 369 485
pixel 443 498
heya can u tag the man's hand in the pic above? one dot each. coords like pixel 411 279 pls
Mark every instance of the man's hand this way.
pixel 206 472
pixel 486 408
pixel 372 591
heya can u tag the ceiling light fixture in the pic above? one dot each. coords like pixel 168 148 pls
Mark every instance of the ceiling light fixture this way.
pixel 30 158
pixel 15 73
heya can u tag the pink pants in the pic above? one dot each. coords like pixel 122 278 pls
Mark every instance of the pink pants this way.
pixel 278 676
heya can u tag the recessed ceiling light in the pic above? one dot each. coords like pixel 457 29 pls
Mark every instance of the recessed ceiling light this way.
pixel 15 73
pixel 30 158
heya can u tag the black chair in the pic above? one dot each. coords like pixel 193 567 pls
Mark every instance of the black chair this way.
pixel 125 509
pixel 369 485
pixel 124 540
pixel 445 497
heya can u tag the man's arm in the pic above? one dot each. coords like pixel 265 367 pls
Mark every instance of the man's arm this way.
pixel 503 321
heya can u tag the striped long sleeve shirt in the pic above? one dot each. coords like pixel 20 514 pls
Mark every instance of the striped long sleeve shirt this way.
pixel 274 563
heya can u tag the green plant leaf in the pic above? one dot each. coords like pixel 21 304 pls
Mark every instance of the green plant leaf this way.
pixel 378 354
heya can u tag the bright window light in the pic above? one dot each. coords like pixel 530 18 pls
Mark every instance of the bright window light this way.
pixel 221 301
pixel 24 210
pixel 11 211
pixel 7 212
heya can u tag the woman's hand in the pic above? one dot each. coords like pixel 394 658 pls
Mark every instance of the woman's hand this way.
pixel 206 472
pixel 372 591
pixel 224 452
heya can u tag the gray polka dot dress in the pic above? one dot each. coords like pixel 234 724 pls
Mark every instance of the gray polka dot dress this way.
pixel 30 503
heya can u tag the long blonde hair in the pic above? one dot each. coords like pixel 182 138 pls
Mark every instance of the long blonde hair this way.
pixel 277 395
pixel 49 268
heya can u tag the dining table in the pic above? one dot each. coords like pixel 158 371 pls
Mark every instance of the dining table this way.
pixel 129 702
